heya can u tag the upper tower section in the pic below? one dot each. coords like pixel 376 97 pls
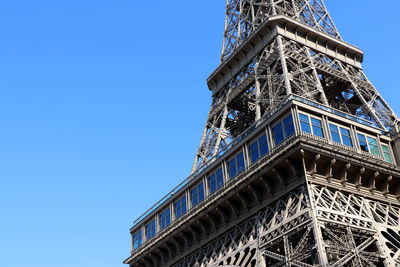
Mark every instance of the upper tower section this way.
pixel 245 16
pixel 276 48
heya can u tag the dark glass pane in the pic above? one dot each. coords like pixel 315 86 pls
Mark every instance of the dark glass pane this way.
pixel 254 155
pixel 305 127
pixel 304 123
pixel 263 145
pixel 201 192
pixel 289 127
pixel 346 137
pixel 240 162
pixel 211 183
pixel 278 134
pixel 317 127
pixel 153 229
pixel 183 205
pixel 193 195
pixel 178 211
pixel 232 168
pixel 335 133
pixel 363 142
pixel 220 178
pixel 168 217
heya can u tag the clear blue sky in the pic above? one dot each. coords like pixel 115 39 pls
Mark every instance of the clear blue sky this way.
pixel 102 104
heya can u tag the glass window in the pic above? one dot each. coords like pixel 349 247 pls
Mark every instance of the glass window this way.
pixel 386 153
pixel 289 127
pixel 373 146
pixel 236 165
pixel 240 162
pixel 311 125
pixel 317 127
pixel 197 194
pixel 180 207
pixel 232 168
pixel 215 181
pixel 263 145
pixel 258 149
pixel 346 137
pixel 277 133
pixel 340 135
pixel 165 218
pixel 305 123
pixel 335 133
pixel 254 153
pixel 363 142
pixel 137 239
pixel 151 229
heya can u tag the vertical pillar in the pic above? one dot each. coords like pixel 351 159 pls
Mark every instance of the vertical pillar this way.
pixel 285 71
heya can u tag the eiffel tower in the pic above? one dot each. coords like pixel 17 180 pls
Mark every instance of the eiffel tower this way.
pixel 298 161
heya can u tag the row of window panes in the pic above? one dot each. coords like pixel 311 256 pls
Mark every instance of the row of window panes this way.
pixel 236 165
pixel 342 135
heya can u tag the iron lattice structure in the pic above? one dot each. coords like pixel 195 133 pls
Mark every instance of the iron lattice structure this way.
pixel 310 198
pixel 285 66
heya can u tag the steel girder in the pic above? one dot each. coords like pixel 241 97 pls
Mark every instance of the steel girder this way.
pixel 245 16
pixel 286 67
pixel 310 226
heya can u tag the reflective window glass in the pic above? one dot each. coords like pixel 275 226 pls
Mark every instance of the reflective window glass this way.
pixel 335 133
pixel 215 181
pixel 289 127
pixel 151 229
pixel 317 127
pixel 197 194
pixel 240 162
pixel 373 146
pixel 304 123
pixel 263 145
pixel 254 153
pixel 363 142
pixel 277 133
pixel 346 137
pixel 232 168
pixel 164 218
pixel 137 239
pixel 386 154
pixel 180 207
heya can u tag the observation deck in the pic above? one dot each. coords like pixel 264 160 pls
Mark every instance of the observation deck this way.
pixel 298 138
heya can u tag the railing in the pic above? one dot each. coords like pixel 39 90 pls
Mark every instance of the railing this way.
pixel 335 111
pixel 213 159
pixel 246 133
pixel 274 151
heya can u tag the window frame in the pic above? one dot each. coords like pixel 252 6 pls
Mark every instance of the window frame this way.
pixel 181 200
pixel 340 127
pixel 378 143
pixel 196 187
pixel 388 146
pixel 151 225
pixel 216 180
pixel 235 157
pixel 311 125
pixel 139 237
pixel 283 128
pixel 164 215
pixel 257 141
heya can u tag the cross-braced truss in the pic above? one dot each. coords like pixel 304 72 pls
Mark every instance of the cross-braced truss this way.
pixel 245 16
pixel 281 233
pixel 311 226
pixel 357 231
pixel 285 67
